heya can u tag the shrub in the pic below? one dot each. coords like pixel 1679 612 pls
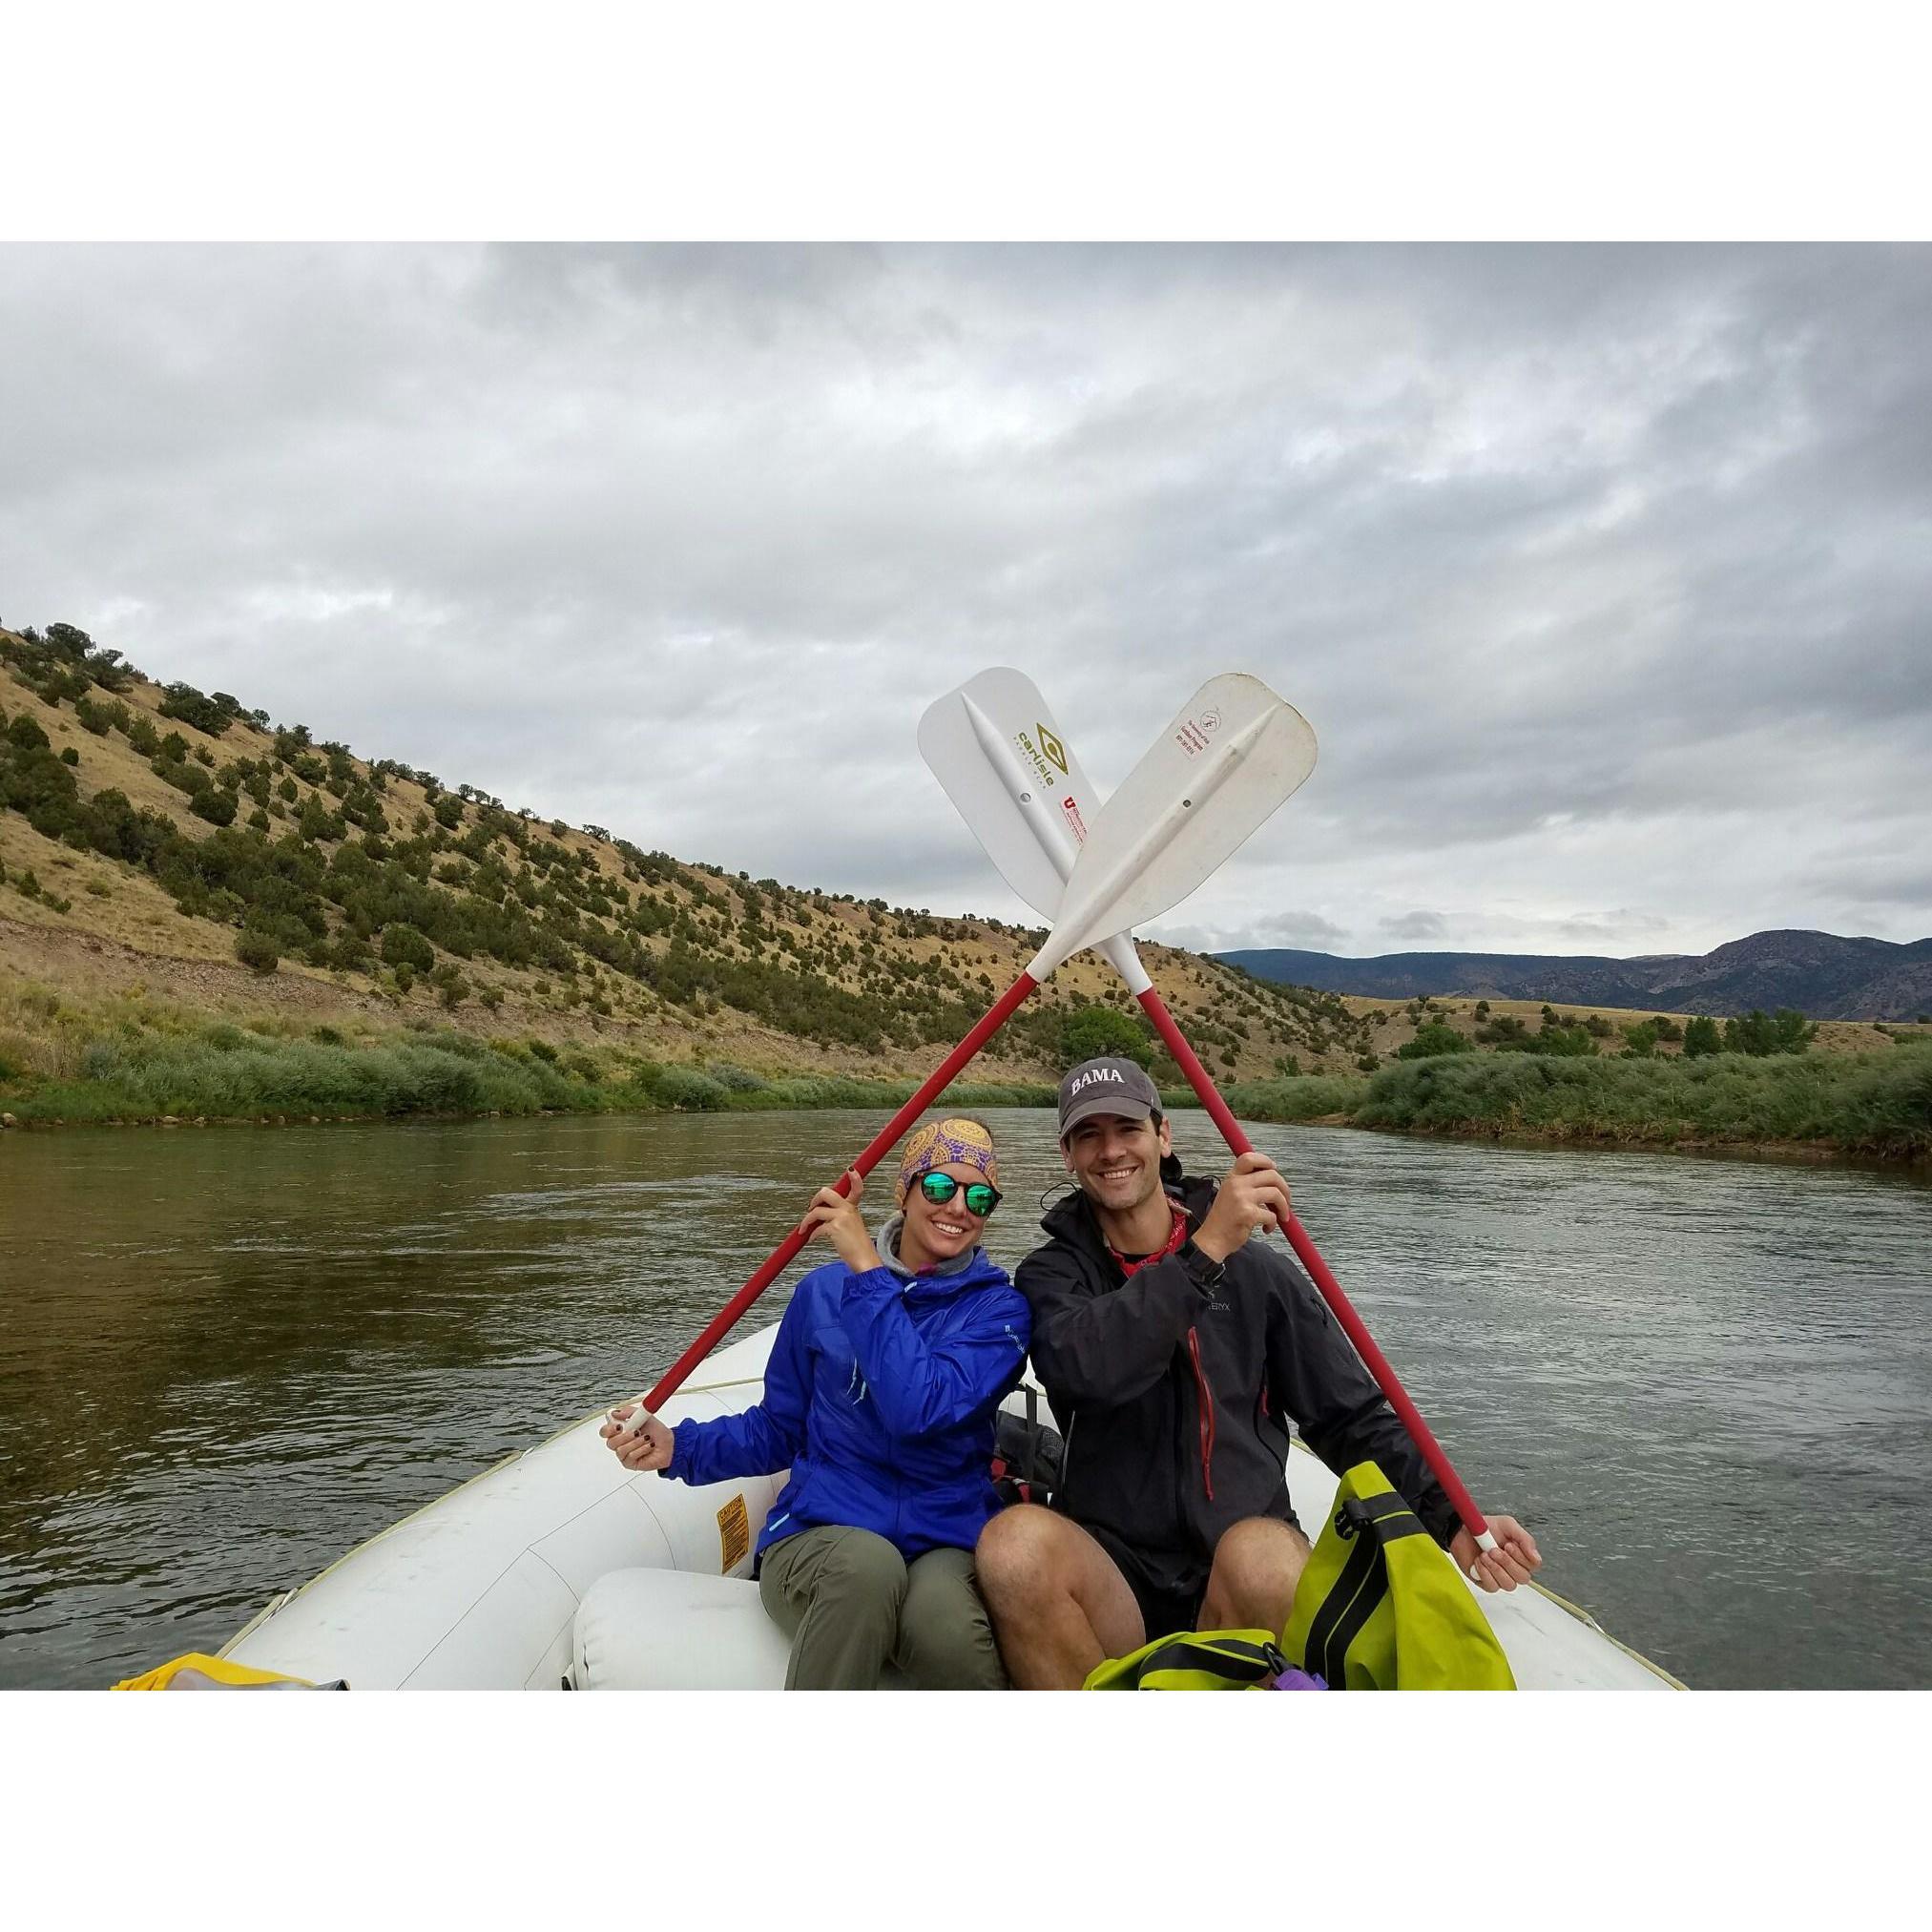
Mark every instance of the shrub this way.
pixel 1432 1040
pixel 256 949
pixel 1640 1041
pixel 403 946
pixel 191 707
pixel 1091 1032
pixel 685 1086
pixel 1762 1035
pixel 1700 1038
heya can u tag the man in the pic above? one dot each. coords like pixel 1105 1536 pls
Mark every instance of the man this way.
pixel 1174 1354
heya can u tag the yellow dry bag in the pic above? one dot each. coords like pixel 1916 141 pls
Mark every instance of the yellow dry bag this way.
pixel 1381 1607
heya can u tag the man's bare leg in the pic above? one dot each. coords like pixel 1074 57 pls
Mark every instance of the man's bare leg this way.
pixel 1257 1562
pixel 1059 1606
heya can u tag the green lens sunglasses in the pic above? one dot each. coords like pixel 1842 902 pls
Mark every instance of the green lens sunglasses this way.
pixel 981 1198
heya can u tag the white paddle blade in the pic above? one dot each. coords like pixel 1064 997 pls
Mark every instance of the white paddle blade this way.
pixel 1229 761
pixel 1012 774
pixel 1007 767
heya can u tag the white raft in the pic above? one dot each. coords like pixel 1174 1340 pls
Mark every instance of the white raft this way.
pixel 558 1570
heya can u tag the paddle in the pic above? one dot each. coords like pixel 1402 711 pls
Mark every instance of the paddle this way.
pixel 981 744
pixel 1227 761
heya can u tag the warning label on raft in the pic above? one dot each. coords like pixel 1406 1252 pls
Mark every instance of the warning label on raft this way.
pixel 733 1533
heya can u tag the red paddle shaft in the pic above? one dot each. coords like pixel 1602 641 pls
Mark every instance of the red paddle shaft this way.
pixel 936 1083
pixel 1331 1289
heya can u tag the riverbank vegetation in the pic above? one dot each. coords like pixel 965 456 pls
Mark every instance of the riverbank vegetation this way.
pixel 140 1061
pixel 206 915
pixel 1872 1104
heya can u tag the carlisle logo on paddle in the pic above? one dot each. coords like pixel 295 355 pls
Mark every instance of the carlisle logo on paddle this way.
pixel 1048 758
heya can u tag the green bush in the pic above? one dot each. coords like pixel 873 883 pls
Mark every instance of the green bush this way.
pixel 403 946
pixel 687 1088
pixel 1761 1035
pixel 1432 1040
pixel 256 949
pixel 1701 1038
pixel 1303 1099
pixel 191 707
pixel 1091 1032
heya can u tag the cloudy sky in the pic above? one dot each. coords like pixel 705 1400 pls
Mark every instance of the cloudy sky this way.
pixel 1603 574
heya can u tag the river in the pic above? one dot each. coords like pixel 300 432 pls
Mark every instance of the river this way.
pixel 228 1355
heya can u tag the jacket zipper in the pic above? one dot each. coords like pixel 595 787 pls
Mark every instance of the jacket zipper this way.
pixel 1207 1414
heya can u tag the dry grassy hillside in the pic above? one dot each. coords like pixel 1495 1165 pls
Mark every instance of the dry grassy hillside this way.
pixel 522 924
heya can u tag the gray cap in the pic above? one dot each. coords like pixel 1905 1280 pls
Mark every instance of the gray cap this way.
pixel 1106 1086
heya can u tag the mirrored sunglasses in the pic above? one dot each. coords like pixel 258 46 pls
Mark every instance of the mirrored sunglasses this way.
pixel 980 1198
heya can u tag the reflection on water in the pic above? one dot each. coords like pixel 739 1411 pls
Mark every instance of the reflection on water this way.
pixel 227 1356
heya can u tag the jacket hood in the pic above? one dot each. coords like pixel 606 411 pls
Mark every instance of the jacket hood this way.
pixel 972 1269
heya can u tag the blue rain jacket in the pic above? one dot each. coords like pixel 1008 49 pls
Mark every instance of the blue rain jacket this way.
pixel 880 1397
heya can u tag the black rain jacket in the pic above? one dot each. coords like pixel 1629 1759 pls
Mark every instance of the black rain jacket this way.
pixel 1175 1395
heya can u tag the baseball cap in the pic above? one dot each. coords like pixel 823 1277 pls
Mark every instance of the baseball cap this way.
pixel 1106 1086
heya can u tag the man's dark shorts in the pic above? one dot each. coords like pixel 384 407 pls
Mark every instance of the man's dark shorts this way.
pixel 1168 1591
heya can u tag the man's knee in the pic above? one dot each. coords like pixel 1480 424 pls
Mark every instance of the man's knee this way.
pixel 1257 1562
pixel 1261 1540
pixel 1020 1554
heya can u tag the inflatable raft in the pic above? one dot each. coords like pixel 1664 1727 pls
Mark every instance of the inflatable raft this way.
pixel 558 1570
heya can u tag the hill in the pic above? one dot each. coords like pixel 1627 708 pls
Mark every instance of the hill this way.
pixel 203 912
pixel 164 843
pixel 1818 973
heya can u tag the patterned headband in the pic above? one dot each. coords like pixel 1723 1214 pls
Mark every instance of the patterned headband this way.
pixel 947 1143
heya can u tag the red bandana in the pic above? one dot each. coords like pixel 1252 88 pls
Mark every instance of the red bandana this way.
pixel 1132 1265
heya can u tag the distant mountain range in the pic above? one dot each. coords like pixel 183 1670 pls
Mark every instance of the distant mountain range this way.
pixel 1823 976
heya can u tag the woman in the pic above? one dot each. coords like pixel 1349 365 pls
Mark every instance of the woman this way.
pixel 880 1397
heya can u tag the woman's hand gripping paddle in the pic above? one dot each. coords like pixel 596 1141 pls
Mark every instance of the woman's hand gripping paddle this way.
pixel 992 744
pixel 1230 757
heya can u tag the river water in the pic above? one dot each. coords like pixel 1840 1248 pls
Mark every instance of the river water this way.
pixel 227 1356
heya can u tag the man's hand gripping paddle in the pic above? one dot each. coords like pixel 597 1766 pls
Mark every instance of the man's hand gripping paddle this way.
pixel 994 747
pixel 1229 758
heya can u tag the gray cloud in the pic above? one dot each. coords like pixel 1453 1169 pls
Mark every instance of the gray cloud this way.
pixel 1602 572
pixel 1414 925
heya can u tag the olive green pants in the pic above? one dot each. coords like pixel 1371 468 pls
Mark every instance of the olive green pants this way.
pixel 851 1603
